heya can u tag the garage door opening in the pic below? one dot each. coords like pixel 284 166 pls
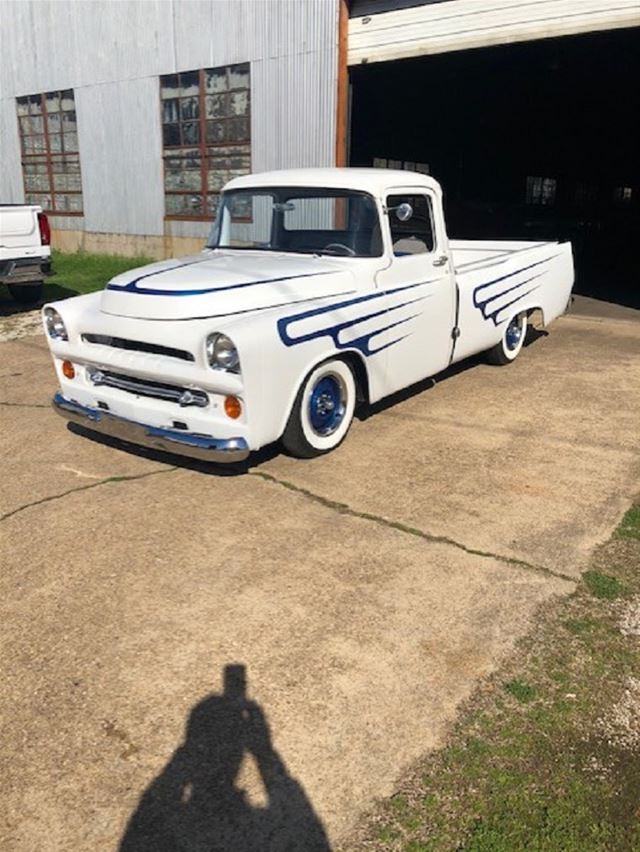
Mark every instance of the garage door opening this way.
pixel 530 141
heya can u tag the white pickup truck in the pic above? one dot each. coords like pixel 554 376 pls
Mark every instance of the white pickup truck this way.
pixel 319 288
pixel 25 250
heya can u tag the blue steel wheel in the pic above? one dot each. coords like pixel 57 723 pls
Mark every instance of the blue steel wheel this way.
pixel 327 404
pixel 323 410
pixel 513 334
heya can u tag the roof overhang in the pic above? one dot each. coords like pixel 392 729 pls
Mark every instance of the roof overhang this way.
pixel 465 24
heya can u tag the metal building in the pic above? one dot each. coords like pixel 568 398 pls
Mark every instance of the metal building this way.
pixel 104 124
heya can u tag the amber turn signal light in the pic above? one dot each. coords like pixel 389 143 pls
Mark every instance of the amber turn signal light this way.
pixel 68 370
pixel 232 407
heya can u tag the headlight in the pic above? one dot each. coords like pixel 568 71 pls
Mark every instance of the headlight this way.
pixel 222 354
pixel 54 324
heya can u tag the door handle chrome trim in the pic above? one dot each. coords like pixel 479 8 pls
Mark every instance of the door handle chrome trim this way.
pixel 440 261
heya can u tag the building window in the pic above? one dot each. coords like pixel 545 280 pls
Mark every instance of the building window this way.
pixel 541 190
pixel 50 158
pixel 206 132
pixel 623 194
pixel 406 165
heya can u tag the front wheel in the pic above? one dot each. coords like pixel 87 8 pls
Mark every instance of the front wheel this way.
pixel 322 411
pixel 511 343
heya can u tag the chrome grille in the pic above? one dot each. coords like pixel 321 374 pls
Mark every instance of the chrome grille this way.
pixel 143 387
pixel 138 346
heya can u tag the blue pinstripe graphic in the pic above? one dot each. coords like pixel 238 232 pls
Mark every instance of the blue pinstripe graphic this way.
pixel 132 287
pixel 485 304
pixel 362 343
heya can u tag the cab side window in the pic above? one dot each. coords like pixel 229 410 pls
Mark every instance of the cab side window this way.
pixel 415 236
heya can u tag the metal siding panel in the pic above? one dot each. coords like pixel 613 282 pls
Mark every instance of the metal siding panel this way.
pixel 112 53
pixel 464 24
pixel 121 157
pixel 11 184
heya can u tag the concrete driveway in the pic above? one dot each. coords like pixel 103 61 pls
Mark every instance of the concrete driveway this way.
pixel 196 661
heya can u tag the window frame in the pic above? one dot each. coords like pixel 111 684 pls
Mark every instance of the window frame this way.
pixel 202 145
pixel 427 195
pixel 47 155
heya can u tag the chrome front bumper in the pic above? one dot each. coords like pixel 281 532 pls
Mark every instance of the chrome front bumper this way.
pixel 204 447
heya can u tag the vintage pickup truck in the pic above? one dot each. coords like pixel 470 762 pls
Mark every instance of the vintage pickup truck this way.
pixel 319 288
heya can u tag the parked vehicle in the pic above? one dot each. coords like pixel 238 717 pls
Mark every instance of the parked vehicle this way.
pixel 25 250
pixel 319 288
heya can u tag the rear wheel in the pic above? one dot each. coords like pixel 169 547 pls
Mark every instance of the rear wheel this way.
pixel 511 343
pixel 26 294
pixel 322 412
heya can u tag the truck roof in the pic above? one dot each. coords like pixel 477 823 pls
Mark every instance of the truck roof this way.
pixel 375 181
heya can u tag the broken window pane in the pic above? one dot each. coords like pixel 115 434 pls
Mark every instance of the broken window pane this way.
pixel 171 134
pixel 239 76
pixel 170 111
pixel 189 109
pixel 190 133
pixel 169 86
pixel 215 80
pixel 189 83
pixel 239 103
pixel 52 100
pixel 66 100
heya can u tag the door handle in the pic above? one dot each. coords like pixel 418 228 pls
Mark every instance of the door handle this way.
pixel 440 261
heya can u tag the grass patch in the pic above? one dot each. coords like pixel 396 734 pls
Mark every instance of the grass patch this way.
pixel 630 526
pixel 542 772
pixel 82 272
pixel 603 585
pixel 521 691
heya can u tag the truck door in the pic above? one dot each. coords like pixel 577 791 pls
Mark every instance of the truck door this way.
pixel 420 285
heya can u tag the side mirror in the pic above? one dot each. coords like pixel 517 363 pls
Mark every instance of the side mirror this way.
pixel 404 212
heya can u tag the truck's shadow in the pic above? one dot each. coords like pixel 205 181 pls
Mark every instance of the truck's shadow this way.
pixel 197 801
pixel 364 412
pixel 367 411
pixel 51 293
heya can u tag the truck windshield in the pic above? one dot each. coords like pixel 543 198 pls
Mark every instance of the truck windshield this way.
pixel 299 220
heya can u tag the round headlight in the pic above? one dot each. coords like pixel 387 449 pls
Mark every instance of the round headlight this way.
pixel 54 324
pixel 222 354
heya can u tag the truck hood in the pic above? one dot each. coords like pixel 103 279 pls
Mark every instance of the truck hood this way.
pixel 219 283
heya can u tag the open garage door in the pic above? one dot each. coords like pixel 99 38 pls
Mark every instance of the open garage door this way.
pixel 534 140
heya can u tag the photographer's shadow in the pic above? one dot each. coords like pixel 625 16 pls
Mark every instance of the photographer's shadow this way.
pixel 195 805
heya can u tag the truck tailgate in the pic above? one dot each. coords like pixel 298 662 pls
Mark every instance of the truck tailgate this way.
pixel 19 227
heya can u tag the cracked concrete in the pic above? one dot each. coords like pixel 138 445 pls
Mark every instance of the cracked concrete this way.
pixel 344 509
pixel 535 461
pixel 53 497
pixel 365 593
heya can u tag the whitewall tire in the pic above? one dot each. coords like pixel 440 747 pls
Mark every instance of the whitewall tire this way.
pixel 511 342
pixel 322 412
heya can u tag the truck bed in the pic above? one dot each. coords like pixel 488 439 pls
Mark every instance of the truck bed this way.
pixel 469 255
pixel 499 278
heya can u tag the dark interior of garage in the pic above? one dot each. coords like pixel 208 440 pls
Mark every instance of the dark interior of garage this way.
pixel 530 141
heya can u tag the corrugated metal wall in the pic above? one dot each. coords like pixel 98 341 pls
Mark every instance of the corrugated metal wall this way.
pixel 112 53
pixel 463 24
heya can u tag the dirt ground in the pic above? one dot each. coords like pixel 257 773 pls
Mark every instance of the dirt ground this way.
pixel 200 661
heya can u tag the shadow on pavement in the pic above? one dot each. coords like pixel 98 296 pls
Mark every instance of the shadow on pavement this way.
pixel 367 411
pixel 194 804
pixel 51 293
